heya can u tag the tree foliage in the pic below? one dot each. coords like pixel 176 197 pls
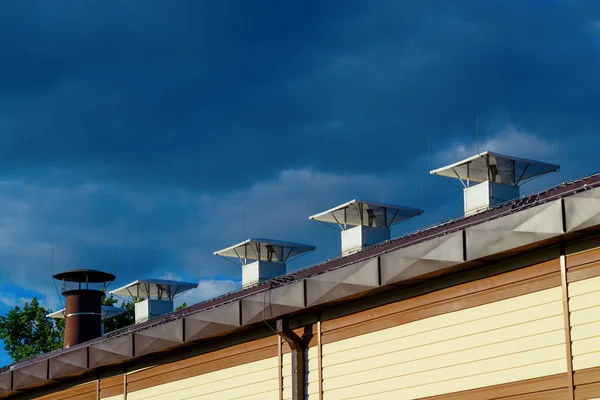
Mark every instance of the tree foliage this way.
pixel 122 320
pixel 27 332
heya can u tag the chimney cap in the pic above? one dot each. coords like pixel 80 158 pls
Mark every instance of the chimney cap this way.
pixel 349 213
pixel 265 250
pixel 85 275
pixel 509 170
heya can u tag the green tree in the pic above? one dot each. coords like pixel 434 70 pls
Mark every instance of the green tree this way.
pixel 27 332
pixel 181 307
pixel 121 320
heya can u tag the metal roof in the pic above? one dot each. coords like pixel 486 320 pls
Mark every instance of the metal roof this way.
pixel 154 288
pixel 265 250
pixel 358 212
pixel 106 311
pixel 495 167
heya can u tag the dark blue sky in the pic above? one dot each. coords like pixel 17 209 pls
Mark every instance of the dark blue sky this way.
pixel 138 125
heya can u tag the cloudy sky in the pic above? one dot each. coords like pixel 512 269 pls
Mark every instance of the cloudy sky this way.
pixel 138 126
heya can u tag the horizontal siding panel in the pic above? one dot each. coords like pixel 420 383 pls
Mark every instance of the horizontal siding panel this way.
pixel 418 346
pixel 426 372
pixel 585 331
pixel 589 360
pixel 585 316
pixel 395 363
pixel 406 389
pixel 585 346
pixel 524 333
pixel 585 286
pixel 544 303
pixel 584 301
pixel 256 378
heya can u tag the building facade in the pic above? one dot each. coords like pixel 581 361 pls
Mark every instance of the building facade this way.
pixel 502 304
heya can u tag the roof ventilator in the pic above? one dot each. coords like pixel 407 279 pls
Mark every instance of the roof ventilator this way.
pixel 263 259
pixel 153 297
pixel 363 223
pixel 490 178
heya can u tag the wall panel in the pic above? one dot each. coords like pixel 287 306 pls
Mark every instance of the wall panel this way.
pixel 510 340
pixel 584 305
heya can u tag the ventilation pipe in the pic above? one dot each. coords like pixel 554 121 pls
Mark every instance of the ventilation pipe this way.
pixel 83 290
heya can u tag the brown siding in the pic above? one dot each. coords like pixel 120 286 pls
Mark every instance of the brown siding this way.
pixel 83 392
pixel 583 265
pixel 111 386
pixel 548 387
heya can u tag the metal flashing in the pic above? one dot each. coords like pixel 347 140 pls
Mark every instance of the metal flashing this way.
pixel 111 351
pixel 69 363
pixel 342 282
pixel 582 210
pixel 212 321
pixel 158 338
pixel 273 303
pixel 425 257
pixel 515 230
pixel 30 375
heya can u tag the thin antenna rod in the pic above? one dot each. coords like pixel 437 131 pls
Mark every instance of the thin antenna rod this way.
pixel 557 151
pixel 477 132
pixel 213 238
pixel 308 206
pixel 244 221
pixel 346 179
pixel 429 151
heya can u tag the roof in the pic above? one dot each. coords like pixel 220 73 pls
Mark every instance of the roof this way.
pixel 107 312
pixel 509 170
pixel 154 288
pixel 85 275
pixel 265 250
pixel 553 213
pixel 358 212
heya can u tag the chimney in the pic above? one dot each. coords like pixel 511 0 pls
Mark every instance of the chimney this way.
pixel 105 311
pixel 490 179
pixel 263 259
pixel 153 297
pixel 83 290
pixel 363 224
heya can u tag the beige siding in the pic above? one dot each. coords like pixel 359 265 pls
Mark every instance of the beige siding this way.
pixel 506 341
pixel 117 397
pixel 312 375
pixel 253 381
pixel 287 375
pixel 584 304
